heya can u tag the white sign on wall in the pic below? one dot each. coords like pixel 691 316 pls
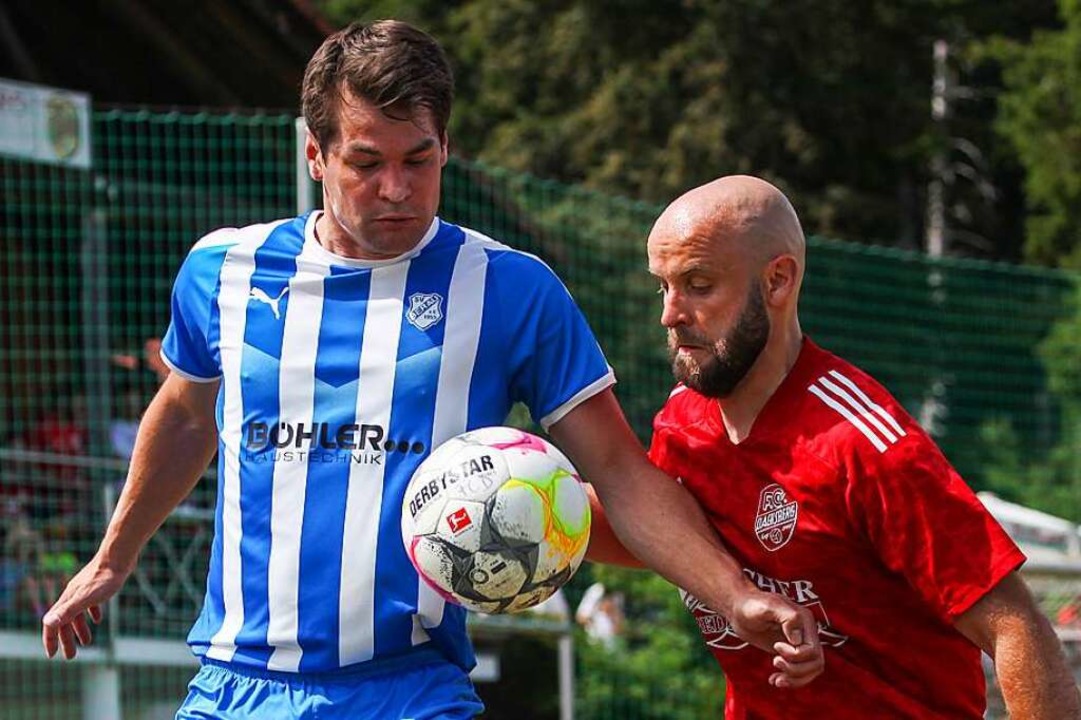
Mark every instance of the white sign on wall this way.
pixel 44 124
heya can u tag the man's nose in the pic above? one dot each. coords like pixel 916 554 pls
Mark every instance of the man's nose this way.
pixel 673 312
pixel 394 186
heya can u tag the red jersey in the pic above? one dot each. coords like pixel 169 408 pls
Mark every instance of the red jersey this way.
pixel 839 501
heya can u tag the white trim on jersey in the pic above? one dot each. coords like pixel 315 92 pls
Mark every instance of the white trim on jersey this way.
pixel 236 274
pixel 364 498
pixel 676 391
pixel 870 403
pixel 857 410
pixel 461 339
pixel 296 393
pixel 186 375
pixel 601 383
pixel 859 407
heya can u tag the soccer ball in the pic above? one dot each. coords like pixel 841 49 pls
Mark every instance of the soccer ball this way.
pixel 496 520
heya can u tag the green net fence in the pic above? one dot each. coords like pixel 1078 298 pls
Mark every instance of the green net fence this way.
pixel 983 355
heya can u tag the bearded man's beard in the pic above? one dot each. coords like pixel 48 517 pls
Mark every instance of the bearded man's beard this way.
pixel 732 356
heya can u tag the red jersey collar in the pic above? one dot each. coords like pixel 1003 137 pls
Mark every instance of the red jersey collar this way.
pixel 794 383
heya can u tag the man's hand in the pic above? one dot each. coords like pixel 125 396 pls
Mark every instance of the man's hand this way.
pixel 774 624
pixel 177 437
pixel 66 621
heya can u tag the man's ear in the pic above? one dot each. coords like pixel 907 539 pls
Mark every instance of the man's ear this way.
pixel 316 165
pixel 781 281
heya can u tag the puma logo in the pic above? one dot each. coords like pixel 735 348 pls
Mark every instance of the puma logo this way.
pixel 258 294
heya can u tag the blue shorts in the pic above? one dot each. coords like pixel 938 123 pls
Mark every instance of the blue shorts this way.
pixel 436 690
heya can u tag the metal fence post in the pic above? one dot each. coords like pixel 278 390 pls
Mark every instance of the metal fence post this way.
pixel 566 676
pixel 305 185
pixel 94 302
pixel 101 691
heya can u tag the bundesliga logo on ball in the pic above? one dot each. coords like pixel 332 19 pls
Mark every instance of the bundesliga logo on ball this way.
pixel 496 520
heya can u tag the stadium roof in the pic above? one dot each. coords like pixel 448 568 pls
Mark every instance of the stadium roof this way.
pixel 208 53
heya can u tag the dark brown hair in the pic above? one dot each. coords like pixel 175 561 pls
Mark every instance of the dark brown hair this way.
pixel 388 63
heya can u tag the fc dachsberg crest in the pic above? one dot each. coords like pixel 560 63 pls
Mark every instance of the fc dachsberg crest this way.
pixel 425 310
pixel 776 520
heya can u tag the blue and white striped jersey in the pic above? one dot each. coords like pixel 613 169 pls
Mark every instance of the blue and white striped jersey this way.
pixel 338 377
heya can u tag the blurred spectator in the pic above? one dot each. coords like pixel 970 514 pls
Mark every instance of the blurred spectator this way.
pixel 124 425
pixel 33 568
pixel 152 357
pixel 149 360
pixel 601 614
pixel 57 489
pixel 554 608
pixel 1069 615
pixel 56 565
pixel 62 430
pixel 23 548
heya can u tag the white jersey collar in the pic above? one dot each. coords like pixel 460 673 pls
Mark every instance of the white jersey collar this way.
pixel 312 247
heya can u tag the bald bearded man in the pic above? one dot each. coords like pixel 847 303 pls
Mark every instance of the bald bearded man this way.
pixel 828 492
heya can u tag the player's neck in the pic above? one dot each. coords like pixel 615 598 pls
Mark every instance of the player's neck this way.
pixel 741 409
pixel 336 240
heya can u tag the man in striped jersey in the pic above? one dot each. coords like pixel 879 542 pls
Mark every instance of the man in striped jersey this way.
pixel 323 357
pixel 828 493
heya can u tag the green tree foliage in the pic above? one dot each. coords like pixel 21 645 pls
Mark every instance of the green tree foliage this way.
pixel 648 100
pixel 659 668
pixel 1049 481
pixel 829 99
pixel 1040 115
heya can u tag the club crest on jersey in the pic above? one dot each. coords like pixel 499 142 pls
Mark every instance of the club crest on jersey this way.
pixel 776 520
pixel 425 310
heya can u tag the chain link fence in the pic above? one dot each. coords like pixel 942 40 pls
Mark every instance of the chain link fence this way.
pixel 86 263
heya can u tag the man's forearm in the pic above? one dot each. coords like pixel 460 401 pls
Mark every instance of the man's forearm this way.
pixel 1033 674
pixel 653 517
pixel 1030 665
pixel 176 441
pixel 660 522
pixel 663 526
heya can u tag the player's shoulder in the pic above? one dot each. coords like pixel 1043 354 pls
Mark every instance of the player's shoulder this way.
pixel 506 260
pixel 682 428
pixel 683 408
pixel 846 412
pixel 203 264
pixel 224 238
pixel 217 243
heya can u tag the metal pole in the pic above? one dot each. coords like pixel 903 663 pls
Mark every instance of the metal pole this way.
pixel 101 692
pixel 101 681
pixel 566 676
pixel 936 202
pixel 933 408
pixel 94 305
pixel 305 185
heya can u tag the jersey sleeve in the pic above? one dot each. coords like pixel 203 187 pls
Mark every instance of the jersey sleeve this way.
pixel 186 347
pixel 926 524
pixel 555 361
pixel 660 453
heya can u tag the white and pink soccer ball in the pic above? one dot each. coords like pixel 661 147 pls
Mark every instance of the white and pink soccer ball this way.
pixel 496 520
